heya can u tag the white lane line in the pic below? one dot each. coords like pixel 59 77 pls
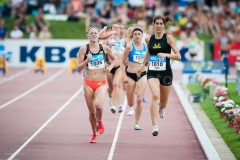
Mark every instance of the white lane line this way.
pixel 110 156
pixel 34 88
pixel 16 75
pixel 202 136
pixel 46 123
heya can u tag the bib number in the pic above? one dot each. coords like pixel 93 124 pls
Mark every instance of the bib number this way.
pixel 157 64
pixel 118 48
pixel 96 62
pixel 138 58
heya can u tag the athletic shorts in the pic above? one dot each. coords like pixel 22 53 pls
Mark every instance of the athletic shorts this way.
pixel 114 69
pixel 165 77
pixel 134 76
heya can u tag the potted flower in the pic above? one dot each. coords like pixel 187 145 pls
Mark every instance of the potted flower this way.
pixel 230 117
pixel 236 121
pixel 220 108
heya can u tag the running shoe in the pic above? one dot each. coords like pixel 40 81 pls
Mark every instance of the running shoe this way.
pixel 111 101
pixel 137 127
pixel 131 112
pixel 161 112
pixel 93 139
pixel 120 109
pixel 113 109
pixel 100 127
pixel 144 100
pixel 155 130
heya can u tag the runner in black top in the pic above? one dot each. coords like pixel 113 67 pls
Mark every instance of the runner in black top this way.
pixel 159 72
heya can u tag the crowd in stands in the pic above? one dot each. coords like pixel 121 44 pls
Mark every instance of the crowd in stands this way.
pixel 204 17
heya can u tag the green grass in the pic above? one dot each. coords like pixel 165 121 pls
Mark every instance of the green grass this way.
pixel 59 29
pixel 228 134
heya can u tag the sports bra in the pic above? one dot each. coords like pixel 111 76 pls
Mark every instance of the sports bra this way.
pixel 118 47
pixel 98 59
pixel 137 55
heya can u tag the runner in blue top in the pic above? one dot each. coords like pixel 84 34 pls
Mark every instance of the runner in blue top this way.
pixel 159 74
pixel 135 52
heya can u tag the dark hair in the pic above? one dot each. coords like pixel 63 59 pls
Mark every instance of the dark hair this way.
pixel 166 20
pixel 137 29
pixel 93 27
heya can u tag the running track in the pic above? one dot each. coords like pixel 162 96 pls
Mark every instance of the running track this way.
pixel 45 117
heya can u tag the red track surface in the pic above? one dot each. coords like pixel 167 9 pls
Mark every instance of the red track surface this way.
pixel 67 135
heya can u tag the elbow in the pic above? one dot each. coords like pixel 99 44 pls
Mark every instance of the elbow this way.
pixel 180 58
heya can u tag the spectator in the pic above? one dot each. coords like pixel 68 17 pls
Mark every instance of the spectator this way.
pixel 224 41
pixel 21 17
pixel 40 21
pixel 237 34
pixel 33 33
pixel 16 33
pixel 194 46
pixel 140 13
pixel 45 34
pixel 237 7
pixel 3 30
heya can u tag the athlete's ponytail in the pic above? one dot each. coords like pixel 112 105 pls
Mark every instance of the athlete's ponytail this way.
pixel 166 20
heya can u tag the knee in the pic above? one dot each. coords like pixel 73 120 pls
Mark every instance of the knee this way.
pixel 110 89
pixel 97 106
pixel 155 96
pixel 92 113
pixel 116 85
pixel 139 99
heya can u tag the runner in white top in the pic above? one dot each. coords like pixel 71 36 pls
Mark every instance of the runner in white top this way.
pixel 114 78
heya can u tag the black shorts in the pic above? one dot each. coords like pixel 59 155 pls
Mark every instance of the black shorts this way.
pixel 165 77
pixel 126 69
pixel 193 55
pixel 134 76
pixel 114 69
pixel 223 52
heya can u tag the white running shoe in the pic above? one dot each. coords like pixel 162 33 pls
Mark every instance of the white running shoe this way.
pixel 131 112
pixel 161 112
pixel 113 109
pixel 155 130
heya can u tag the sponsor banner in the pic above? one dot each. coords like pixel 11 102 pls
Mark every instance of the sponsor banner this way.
pixel 213 69
pixel 234 52
pixel 58 53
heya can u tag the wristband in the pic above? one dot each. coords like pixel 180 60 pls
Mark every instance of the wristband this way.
pixel 124 75
pixel 85 62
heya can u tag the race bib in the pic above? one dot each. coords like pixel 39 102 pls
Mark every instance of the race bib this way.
pixel 156 63
pixel 138 58
pixel 96 62
pixel 118 48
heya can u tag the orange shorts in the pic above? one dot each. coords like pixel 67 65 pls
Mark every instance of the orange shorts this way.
pixel 94 84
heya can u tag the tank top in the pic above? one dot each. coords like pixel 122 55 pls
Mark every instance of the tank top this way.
pixel 223 40
pixel 137 55
pixel 118 47
pixel 159 46
pixel 193 45
pixel 98 59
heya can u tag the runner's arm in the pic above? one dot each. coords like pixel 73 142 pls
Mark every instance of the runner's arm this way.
pixel 124 58
pixel 172 43
pixel 112 57
pixel 81 63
